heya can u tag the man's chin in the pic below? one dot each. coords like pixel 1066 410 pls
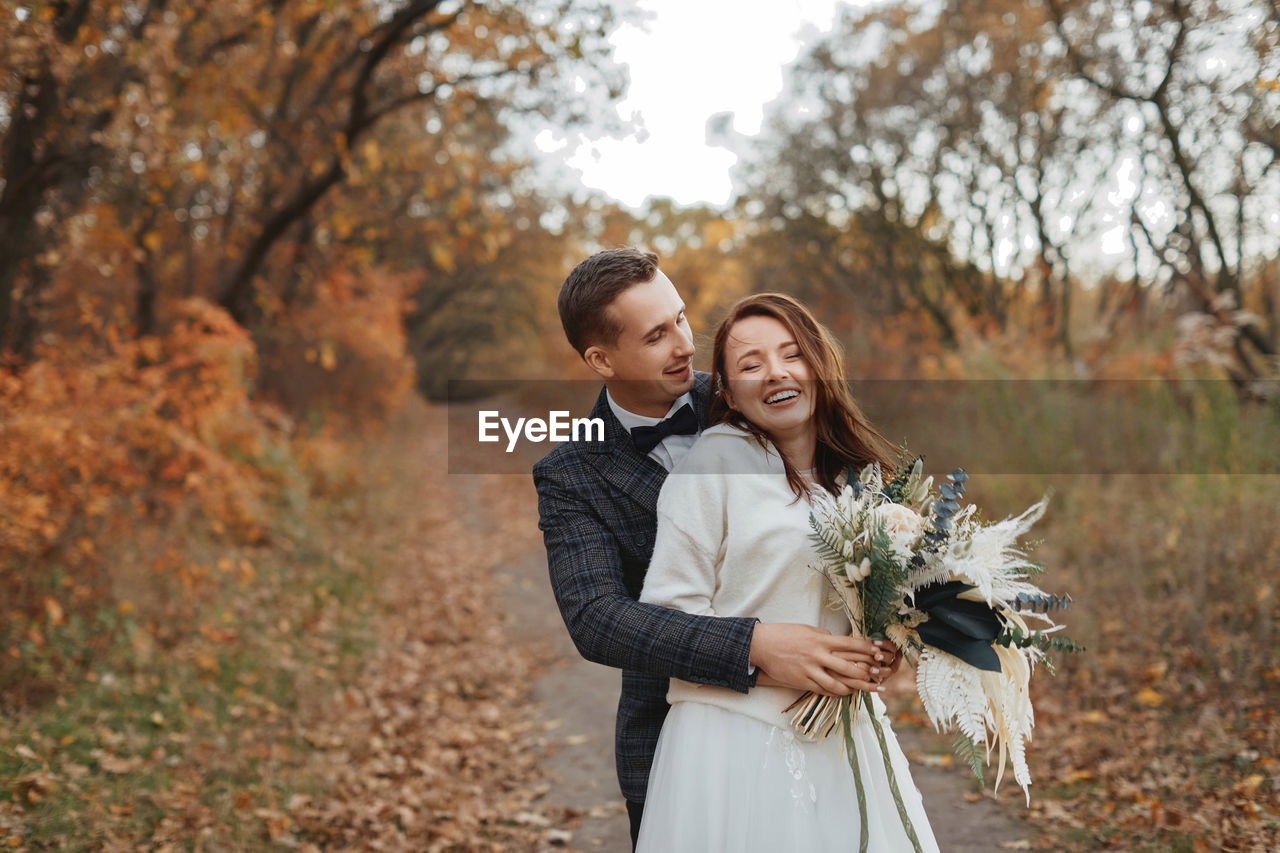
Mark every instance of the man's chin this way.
pixel 682 385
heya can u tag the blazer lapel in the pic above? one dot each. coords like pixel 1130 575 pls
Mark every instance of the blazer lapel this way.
pixel 620 463
pixel 702 396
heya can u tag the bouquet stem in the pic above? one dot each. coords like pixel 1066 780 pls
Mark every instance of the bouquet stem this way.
pixel 852 753
pixel 893 780
pixel 818 715
pixel 848 708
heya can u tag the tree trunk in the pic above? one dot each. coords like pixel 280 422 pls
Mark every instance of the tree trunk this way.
pixel 26 180
pixel 238 294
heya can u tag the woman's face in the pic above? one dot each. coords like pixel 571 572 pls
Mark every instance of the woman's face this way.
pixel 767 379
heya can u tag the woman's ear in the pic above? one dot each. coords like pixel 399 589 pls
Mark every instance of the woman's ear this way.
pixel 598 360
pixel 728 398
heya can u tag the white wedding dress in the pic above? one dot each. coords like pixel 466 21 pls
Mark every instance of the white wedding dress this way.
pixel 729 775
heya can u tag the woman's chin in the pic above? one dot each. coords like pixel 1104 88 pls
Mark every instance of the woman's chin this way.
pixel 786 428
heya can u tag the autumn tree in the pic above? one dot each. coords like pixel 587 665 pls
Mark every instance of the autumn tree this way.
pixel 187 148
pixel 700 247
pixel 1192 87
pixel 836 211
pixel 208 210
pixel 1035 145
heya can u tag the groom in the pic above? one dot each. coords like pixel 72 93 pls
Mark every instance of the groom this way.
pixel 597 507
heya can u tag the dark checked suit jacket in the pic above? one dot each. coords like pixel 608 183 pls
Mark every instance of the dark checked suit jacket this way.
pixel 597 506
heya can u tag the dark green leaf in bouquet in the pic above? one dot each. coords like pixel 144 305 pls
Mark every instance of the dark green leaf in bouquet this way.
pixel 828 544
pixel 882 589
pixel 1043 603
pixel 958 626
pixel 895 489
pixel 974 651
pixel 971 754
pixel 1017 638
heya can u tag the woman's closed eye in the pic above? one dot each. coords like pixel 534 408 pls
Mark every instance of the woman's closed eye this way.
pixel 748 368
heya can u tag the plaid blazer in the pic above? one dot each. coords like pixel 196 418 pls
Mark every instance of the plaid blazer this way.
pixel 597 512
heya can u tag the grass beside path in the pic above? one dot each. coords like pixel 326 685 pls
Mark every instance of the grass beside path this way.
pixel 352 686
pixel 347 688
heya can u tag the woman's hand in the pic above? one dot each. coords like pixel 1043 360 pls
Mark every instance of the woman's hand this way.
pixel 893 657
pixel 803 657
pixel 885 661
pixel 855 677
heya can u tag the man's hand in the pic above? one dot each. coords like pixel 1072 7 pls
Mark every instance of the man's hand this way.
pixel 803 657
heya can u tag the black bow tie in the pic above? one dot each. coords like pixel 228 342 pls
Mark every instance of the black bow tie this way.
pixel 683 422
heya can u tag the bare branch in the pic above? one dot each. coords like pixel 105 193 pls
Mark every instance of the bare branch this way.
pixel 418 97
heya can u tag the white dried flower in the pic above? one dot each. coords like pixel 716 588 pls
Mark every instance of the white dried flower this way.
pixel 903 524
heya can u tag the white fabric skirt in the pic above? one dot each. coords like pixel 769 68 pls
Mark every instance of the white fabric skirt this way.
pixel 724 782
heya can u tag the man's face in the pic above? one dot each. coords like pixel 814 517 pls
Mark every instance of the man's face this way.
pixel 651 363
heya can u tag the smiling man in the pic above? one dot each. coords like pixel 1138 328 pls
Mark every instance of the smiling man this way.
pixel 597 506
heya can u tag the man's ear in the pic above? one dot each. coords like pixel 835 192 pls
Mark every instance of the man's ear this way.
pixel 598 360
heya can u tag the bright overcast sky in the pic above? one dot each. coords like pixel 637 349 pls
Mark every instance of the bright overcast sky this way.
pixel 690 60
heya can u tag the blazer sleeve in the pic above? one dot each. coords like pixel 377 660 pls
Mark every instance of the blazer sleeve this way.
pixel 610 627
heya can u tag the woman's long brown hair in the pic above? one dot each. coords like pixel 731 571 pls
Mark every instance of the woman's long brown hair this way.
pixel 844 435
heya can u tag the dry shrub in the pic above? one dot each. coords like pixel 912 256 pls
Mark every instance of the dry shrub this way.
pixel 101 445
pixel 327 460
pixel 343 354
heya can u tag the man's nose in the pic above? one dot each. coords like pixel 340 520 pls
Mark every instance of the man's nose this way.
pixel 684 343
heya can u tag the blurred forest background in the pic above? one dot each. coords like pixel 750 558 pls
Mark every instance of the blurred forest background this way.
pixel 240 242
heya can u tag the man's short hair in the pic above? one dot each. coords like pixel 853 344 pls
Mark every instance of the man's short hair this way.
pixel 587 293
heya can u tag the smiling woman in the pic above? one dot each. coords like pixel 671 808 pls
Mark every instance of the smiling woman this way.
pixel 726 774
pixel 780 375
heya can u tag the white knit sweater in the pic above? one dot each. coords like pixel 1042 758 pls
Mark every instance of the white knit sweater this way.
pixel 734 541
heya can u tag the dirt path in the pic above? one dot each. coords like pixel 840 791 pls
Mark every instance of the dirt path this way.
pixel 576 701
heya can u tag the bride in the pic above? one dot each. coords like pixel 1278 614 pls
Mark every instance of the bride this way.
pixel 729 774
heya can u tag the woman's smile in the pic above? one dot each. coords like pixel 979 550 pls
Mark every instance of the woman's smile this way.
pixel 783 397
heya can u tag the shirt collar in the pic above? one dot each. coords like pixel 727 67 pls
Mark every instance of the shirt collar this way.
pixel 630 420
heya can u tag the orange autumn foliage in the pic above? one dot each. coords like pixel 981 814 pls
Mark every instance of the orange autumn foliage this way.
pixel 345 352
pixel 161 430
